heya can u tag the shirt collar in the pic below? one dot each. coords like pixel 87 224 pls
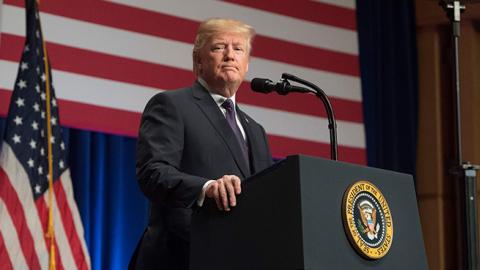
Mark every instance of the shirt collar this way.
pixel 219 99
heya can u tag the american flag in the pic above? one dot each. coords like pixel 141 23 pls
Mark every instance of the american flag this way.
pixel 110 57
pixel 24 171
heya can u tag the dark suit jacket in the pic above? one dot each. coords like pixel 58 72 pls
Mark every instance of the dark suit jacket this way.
pixel 184 141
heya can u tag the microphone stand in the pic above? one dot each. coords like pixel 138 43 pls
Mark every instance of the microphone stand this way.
pixel 332 125
pixel 464 169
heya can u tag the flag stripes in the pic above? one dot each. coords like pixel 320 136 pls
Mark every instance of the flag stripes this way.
pixel 127 44
pixel 9 255
pixel 100 66
pixel 110 57
pixel 68 224
pixel 79 246
pixel 120 17
pixel 42 210
pixel 4 257
pixel 32 219
pixel 289 145
pixel 340 3
pixel 312 11
pixel 266 23
pixel 61 232
pixel 20 211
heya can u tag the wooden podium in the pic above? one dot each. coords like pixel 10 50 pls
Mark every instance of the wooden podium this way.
pixel 290 217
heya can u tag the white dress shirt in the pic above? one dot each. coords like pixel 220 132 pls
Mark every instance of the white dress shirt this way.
pixel 219 99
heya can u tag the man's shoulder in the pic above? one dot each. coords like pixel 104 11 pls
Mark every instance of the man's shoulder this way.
pixel 185 91
pixel 169 98
pixel 176 95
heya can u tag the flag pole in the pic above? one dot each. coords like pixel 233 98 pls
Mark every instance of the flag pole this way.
pixel 50 230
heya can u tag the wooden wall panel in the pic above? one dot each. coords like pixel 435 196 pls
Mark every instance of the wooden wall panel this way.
pixel 438 192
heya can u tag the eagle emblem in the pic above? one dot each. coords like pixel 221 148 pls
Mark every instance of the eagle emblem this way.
pixel 367 219
pixel 368 216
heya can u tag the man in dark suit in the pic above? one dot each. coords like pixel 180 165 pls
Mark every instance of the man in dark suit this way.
pixel 196 143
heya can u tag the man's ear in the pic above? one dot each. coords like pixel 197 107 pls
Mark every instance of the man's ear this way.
pixel 197 63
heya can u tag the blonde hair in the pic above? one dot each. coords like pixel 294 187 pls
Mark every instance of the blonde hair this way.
pixel 214 26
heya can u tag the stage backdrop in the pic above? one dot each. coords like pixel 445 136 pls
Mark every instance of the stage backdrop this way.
pixel 109 57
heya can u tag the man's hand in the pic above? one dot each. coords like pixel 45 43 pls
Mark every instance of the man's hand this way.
pixel 224 191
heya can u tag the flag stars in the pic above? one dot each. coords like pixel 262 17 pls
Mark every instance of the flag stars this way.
pixel 22 84
pixel 38 189
pixel 20 102
pixel 35 125
pixel 18 120
pixel 30 163
pixel 33 144
pixel 23 66
pixel 32 77
pixel 16 139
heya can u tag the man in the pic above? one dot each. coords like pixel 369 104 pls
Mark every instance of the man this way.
pixel 195 143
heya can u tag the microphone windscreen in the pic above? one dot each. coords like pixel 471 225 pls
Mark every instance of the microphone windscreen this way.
pixel 261 85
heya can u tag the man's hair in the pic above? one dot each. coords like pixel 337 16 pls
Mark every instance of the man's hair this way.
pixel 214 26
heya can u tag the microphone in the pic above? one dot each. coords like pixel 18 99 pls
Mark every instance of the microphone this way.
pixel 282 87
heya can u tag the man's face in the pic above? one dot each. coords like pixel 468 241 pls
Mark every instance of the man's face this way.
pixel 223 61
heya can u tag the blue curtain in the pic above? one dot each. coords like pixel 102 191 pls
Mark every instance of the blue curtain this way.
pixel 114 211
pixel 388 64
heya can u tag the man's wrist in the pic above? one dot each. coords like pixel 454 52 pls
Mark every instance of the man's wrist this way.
pixel 201 198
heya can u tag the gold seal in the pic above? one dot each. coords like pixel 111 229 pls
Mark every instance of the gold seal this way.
pixel 367 220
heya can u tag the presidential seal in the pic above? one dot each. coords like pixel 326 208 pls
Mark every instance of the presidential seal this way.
pixel 367 220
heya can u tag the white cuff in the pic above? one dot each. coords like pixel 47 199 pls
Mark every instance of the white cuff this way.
pixel 201 198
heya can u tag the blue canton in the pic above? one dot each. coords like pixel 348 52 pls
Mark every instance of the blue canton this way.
pixel 26 128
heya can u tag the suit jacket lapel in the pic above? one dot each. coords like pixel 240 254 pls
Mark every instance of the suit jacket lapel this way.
pixel 218 121
pixel 253 143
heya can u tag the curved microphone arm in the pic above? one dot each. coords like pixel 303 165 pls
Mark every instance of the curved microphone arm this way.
pixel 332 124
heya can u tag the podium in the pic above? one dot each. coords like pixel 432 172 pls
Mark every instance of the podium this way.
pixel 289 216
